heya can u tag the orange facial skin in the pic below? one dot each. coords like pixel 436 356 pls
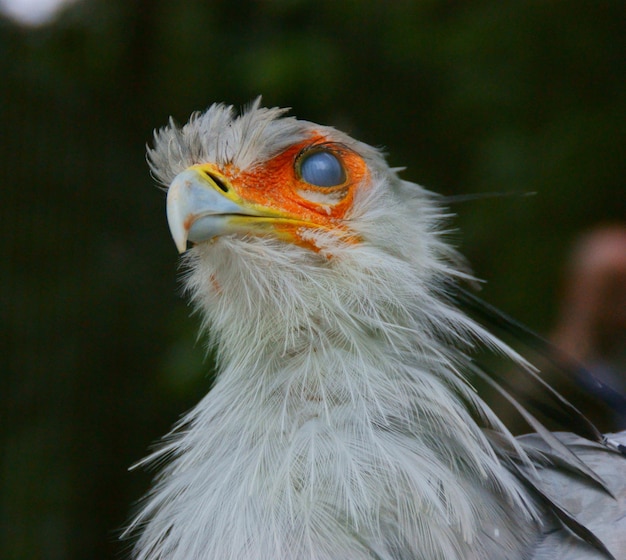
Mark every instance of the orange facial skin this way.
pixel 276 188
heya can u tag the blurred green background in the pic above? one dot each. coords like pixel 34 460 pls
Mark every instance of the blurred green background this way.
pixel 98 350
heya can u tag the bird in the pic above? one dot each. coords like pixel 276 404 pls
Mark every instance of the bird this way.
pixel 343 422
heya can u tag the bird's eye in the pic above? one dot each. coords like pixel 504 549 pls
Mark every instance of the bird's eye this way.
pixel 322 169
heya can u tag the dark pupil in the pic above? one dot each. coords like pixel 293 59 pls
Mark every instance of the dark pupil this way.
pixel 322 169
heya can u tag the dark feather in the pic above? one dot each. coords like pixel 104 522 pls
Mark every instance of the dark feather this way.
pixel 458 198
pixel 560 409
pixel 557 451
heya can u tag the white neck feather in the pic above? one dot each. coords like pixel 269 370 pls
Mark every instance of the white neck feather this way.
pixel 338 426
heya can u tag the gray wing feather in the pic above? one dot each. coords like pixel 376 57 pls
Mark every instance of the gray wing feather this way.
pixel 599 512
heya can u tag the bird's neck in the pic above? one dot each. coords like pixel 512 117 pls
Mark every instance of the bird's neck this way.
pixel 363 337
pixel 332 397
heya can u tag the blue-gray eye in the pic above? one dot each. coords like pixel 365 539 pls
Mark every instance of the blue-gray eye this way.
pixel 322 169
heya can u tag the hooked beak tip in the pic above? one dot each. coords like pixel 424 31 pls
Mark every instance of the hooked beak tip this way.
pixel 176 217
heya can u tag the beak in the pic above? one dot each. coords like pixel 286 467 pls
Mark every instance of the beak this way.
pixel 201 204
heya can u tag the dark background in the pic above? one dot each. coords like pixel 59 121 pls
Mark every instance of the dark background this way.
pixel 98 353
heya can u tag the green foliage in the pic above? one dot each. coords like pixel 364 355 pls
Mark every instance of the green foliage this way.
pixel 100 354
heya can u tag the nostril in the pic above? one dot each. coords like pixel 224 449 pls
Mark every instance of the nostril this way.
pixel 218 182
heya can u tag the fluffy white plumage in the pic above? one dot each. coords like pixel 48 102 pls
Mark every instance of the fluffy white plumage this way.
pixel 340 424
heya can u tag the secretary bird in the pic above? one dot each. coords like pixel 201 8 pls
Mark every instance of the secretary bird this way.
pixel 341 424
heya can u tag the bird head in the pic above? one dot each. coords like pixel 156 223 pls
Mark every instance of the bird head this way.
pixel 307 187
pixel 261 174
